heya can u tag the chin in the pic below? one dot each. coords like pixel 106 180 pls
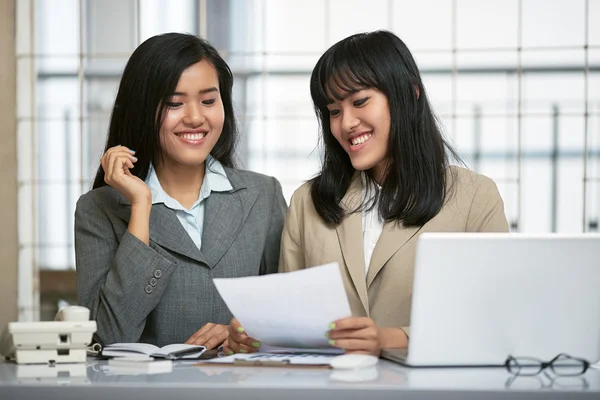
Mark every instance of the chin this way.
pixel 192 162
pixel 361 166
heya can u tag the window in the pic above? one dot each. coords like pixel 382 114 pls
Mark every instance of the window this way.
pixel 516 83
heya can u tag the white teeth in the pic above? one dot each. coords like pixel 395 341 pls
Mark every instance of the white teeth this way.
pixel 360 139
pixel 192 136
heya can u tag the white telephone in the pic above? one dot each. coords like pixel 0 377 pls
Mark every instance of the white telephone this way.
pixel 64 340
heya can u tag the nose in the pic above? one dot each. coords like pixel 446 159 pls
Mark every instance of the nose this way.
pixel 349 121
pixel 193 116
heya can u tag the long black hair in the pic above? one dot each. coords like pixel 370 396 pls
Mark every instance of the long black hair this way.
pixel 415 184
pixel 149 79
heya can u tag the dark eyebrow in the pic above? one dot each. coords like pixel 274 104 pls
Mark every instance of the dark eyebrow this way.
pixel 203 91
pixel 347 93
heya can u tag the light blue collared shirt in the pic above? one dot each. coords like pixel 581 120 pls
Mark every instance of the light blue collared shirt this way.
pixel 192 220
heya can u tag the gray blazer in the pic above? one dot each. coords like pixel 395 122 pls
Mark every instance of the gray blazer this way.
pixel 163 293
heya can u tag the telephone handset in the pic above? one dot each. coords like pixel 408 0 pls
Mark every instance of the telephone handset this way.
pixel 73 313
pixel 64 340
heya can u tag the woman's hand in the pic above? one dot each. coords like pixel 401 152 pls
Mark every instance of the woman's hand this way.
pixel 116 162
pixel 355 335
pixel 210 335
pixel 361 335
pixel 238 341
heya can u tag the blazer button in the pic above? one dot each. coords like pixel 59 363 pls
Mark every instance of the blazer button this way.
pixel 149 289
pixel 153 281
pixel 157 274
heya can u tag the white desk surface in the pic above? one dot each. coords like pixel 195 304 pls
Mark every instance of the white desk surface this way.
pixel 94 380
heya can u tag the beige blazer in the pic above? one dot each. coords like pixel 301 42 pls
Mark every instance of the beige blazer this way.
pixel 385 293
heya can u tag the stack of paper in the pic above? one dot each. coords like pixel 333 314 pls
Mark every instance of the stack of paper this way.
pixel 290 311
pixel 267 359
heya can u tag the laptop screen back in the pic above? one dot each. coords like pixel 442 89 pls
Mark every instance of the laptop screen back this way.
pixel 479 297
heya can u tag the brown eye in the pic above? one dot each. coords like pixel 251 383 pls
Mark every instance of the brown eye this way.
pixel 360 102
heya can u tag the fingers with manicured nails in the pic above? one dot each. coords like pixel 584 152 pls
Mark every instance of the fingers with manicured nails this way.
pixel 351 323
pixel 238 334
pixel 215 339
pixel 117 163
pixel 235 347
pixel 239 342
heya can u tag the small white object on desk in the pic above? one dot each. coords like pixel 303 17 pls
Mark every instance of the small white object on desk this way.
pixel 138 366
pixel 353 361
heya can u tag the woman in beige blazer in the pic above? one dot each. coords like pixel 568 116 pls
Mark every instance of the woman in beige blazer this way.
pixel 385 179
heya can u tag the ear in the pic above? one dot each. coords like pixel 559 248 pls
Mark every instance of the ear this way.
pixel 417 90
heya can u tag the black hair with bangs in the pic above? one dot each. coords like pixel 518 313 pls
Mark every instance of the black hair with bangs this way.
pixel 415 184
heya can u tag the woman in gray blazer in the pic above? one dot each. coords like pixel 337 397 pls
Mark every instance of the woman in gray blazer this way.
pixel 168 211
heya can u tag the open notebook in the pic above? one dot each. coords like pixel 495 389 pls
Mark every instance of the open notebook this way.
pixel 171 351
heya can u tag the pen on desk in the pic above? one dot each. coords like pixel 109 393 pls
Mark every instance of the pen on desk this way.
pixel 258 363
pixel 180 353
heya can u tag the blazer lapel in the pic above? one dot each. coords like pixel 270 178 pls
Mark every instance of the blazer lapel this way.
pixel 351 240
pixel 392 238
pixel 167 231
pixel 224 216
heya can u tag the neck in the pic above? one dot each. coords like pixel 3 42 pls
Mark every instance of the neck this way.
pixel 181 182
pixel 378 173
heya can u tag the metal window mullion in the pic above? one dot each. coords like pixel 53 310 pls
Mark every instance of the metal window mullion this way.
pixel 264 75
pixel 454 94
pixel 80 76
pixel 138 21
pixel 202 19
pixel 34 160
pixel 519 113
pixel 585 113
pixel 390 21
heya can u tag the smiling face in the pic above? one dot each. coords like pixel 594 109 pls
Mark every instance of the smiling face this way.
pixel 193 119
pixel 360 122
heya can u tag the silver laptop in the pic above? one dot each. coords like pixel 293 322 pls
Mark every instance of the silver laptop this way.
pixel 479 297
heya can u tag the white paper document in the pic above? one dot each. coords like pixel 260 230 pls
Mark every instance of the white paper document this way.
pixel 267 358
pixel 290 310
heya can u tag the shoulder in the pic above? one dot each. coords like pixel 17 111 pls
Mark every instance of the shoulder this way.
pixel 472 193
pixel 466 182
pixel 301 196
pixel 104 197
pixel 301 204
pixel 253 181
